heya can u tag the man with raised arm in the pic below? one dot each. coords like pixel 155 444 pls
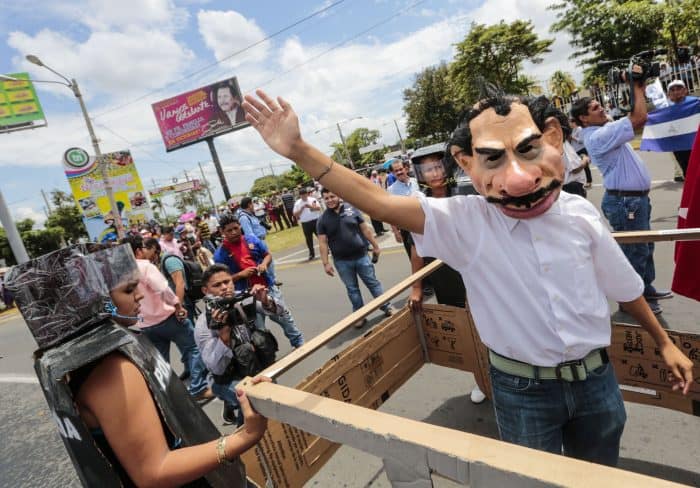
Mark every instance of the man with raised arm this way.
pixel 537 265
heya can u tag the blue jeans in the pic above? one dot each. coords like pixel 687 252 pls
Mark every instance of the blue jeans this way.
pixel 285 320
pixel 182 334
pixel 349 270
pixel 584 418
pixel 628 214
pixel 227 393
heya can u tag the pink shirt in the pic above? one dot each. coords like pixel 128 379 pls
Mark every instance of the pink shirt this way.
pixel 171 247
pixel 158 299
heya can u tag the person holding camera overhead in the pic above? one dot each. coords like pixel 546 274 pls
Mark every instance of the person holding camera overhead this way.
pixel 248 260
pixel 626 178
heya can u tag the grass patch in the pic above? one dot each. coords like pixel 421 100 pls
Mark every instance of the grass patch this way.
pixel 284 239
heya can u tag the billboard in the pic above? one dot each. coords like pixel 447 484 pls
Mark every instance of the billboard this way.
pixel 19 106
pixel 199 114
pixel 161 191
pixel 87 185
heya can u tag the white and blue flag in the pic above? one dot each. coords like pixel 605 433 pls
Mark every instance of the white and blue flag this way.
pixel 672 128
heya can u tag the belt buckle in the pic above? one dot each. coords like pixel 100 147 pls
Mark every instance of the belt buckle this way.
pixel 573 367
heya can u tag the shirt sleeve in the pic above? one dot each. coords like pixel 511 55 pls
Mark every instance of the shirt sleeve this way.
pixel 618 279
pixel 215 354
pixel 610 136
pixel 442 237
pixel 155 280
pixel 320 226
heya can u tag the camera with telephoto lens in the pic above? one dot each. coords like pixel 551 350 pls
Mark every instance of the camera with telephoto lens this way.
pixel 641 66
pixel 241 309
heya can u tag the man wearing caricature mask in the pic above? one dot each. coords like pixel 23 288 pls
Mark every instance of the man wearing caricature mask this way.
pixel 537 265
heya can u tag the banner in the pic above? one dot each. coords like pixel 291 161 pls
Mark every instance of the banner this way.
pixel 88 187
pixel 19 106
pixel 160 192
pixel 686 274
pixel 199 114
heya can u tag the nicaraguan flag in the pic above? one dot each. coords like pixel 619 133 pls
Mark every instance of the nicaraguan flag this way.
pixel 672 128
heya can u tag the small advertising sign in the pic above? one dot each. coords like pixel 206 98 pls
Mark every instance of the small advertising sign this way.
pixel 199 114
pixel 192 185
pixel 19 106
pixel 88 187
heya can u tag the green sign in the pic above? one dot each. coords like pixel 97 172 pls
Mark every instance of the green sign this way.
pixel 19 105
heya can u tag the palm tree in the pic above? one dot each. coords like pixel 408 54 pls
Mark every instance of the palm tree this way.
pixel 157 204
pixel 562 84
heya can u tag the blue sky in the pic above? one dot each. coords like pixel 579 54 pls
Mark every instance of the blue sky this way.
pixel 131 53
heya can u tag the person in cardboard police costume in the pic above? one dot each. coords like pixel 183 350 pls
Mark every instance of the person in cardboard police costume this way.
pixel 537 265
pixel 124 416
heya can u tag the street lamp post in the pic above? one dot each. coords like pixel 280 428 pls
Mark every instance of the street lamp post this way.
pixel 101 161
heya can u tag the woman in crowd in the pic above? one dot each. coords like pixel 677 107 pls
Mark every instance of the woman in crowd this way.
pixel 111 394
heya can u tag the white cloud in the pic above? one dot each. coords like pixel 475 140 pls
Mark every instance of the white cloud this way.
pixel 227 32
pixel 21 213
pixel 115 63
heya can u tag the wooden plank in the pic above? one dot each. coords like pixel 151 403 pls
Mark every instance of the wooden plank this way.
pixel 657 235
pixel 465 458
pixel 329 334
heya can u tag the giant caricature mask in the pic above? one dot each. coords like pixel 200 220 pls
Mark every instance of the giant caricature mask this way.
pixel 513 163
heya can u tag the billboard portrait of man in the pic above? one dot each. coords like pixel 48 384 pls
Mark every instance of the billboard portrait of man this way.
pixel 227 100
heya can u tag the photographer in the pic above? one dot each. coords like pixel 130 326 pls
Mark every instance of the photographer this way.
pixel 626 179
pixel 227 328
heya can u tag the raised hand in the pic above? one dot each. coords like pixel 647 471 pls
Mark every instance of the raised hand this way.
pixel 275 121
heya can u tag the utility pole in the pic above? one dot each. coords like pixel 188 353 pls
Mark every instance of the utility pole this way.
pixel 403 146
pixel 272 170
pixel 206 184
pixel 46 201
pixel 347 153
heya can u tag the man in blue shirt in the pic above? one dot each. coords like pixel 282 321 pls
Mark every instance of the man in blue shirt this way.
pixel 342 229
pixel 626 179
pixel 252 226
pixel 404 186
pixel 248 259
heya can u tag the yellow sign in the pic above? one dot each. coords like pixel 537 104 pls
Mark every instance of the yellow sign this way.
pixel 87 185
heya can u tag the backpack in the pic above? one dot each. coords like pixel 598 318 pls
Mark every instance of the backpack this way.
pixel 193 277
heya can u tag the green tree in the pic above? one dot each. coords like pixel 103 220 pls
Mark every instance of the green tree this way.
pixel 66 215
pixel 358 138
pixel 266 184
pixel 562 84
pixel 429 104
pixel 38 242
pixel 191 199
pixel 495 54
pixel 609 29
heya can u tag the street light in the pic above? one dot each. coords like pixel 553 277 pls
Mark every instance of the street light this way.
pixel 342 139
pixel 101 162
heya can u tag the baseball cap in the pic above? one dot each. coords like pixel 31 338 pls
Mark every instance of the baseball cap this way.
pixel 676 83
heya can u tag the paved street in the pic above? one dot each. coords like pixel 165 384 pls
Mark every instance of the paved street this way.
pixel 656 441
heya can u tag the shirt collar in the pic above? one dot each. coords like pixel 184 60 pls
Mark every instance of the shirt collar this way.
pixel 510 222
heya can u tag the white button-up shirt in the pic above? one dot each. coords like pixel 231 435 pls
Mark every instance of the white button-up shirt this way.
pixel 537 287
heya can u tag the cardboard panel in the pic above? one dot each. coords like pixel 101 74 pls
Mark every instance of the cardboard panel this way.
pixel 367 373
pixel 454 342
pixel 639 364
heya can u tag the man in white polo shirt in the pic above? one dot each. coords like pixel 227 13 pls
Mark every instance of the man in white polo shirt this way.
pixel 537 265
pixel 307 211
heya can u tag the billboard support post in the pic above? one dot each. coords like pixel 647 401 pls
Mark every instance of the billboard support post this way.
pixel 219 170
pixel 101 161
pixel 206 184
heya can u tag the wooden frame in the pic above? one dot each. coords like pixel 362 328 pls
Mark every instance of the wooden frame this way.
pixel 329 408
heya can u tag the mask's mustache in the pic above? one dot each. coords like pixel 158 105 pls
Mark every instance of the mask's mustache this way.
pixel 526 200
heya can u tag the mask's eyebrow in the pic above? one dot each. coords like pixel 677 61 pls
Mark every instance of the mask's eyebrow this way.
pixel 489 151
pixel 522 145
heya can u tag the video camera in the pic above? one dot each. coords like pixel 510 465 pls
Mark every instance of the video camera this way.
pixel 641 66
pixel 241 309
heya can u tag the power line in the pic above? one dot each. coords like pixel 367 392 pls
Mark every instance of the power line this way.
pixel 342 43
pixel 216 63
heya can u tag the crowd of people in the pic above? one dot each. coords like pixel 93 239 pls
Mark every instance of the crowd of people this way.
pixel 531 256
